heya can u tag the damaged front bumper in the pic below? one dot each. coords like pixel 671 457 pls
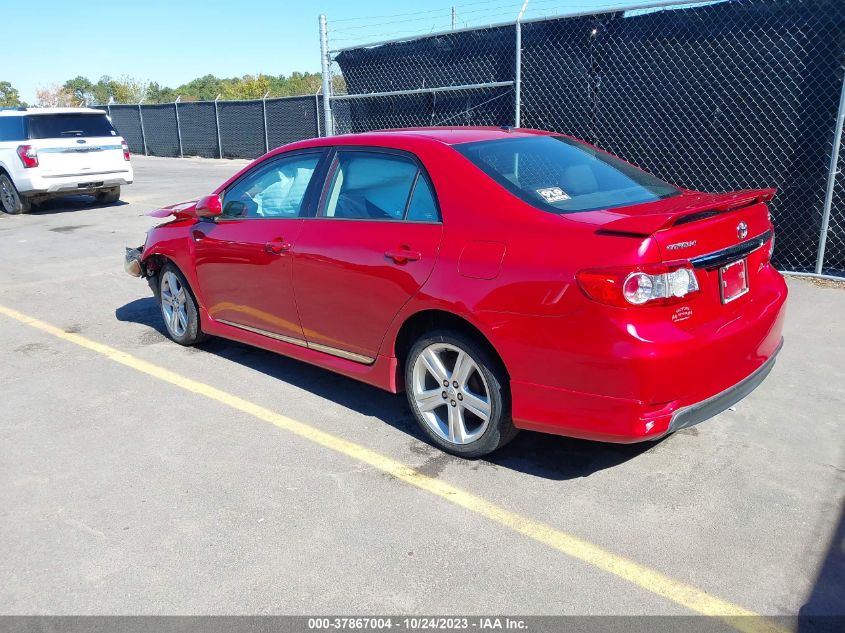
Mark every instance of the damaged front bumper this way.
pixel 132 264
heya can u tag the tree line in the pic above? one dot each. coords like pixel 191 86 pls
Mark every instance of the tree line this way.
pixel 81 91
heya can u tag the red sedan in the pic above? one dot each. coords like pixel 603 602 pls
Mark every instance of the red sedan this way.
pixel 505 279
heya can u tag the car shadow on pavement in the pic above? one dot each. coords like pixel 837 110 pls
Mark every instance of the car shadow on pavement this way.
pixel 540 455
pixel 824 611
pixel 71 203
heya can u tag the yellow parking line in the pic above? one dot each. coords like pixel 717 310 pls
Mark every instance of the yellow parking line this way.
pixel 649 579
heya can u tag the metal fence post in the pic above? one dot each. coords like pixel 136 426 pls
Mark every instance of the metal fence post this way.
pixel 143 135
pixel 317 110
pixel 517 80
pixel 831 178
pixel 264 114
pixel 327 79
pixel 217 123
pixel 178 126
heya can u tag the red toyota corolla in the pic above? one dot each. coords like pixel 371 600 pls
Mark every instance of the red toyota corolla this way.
pixel 505 279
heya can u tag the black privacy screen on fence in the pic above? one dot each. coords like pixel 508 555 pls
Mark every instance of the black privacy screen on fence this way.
pixel 158 129
pixel 715 96
pixel 729 95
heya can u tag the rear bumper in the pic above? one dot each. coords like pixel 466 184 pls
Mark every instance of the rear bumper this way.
pixel 706 409
pixel 606 419
pixel 644 389
pixel 38 184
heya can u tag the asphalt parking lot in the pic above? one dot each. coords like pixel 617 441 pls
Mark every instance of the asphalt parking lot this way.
pixel 124 492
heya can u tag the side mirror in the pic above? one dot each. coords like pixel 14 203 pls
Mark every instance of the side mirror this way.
pixel 209 207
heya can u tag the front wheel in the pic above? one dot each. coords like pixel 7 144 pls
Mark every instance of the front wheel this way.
pixel 459 394
pixel 11 201
pixel 178 307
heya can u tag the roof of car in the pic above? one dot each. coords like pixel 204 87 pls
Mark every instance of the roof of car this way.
pixel 42 111
pixel 455 135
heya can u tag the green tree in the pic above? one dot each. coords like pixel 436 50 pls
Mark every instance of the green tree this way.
pixel 246 87
pixel 160 94
pixel 9 97
pixel 201 89
pixel 82 90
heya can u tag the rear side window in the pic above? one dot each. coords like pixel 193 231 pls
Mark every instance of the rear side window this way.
pixel 69 125
pixel 12 128
pixel 378 186
pixel 563 175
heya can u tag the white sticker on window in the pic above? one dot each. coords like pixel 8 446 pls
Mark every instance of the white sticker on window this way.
pixel 553 194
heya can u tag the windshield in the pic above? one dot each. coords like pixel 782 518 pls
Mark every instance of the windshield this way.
pixel 563 175
pixel 69 125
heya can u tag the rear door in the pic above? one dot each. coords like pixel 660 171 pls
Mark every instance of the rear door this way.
pixel 369 250
pixel 75 144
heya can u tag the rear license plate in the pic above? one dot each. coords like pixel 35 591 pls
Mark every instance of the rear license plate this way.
pixel 733 280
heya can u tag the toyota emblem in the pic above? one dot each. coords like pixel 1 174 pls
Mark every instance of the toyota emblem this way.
pixel 742 230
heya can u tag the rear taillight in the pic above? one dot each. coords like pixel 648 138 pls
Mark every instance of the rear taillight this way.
pixel 656 284
pixel 28 155
pixel 125 147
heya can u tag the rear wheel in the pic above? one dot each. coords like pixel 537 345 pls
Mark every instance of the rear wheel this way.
pixel 178 307
pixel 459 394
pixel 11 200
pixel 108 196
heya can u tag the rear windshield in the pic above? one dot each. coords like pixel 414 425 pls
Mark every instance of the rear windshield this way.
pixel 69 125
pixel 563 175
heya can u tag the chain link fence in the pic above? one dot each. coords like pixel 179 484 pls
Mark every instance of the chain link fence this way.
pixel 217 129
pixel 716 96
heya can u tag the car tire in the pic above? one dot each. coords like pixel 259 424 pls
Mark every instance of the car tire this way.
pixel 11 201
pixel 471 419
pixel 178 307
pixel 108 196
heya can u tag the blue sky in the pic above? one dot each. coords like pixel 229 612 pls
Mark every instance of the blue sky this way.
pixel 174 41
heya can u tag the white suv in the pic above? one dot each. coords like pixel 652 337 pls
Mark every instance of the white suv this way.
pixel 50 152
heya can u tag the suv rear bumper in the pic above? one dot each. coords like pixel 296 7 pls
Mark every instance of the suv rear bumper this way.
pixel 36 184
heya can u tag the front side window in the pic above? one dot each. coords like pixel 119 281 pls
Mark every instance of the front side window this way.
pixel 375 186
pixel 274 190
pixel 563 175
pixel 69 125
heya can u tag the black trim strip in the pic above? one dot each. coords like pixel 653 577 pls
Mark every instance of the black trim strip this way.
pixel 730 254
pixel 706 409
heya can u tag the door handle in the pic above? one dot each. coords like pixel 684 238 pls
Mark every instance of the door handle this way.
pixel 403 255
pixel 198 236
pixel 277 246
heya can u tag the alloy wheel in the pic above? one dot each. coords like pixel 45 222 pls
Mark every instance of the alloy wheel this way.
pixel 451 394
pixel 173 300
pixel 8 197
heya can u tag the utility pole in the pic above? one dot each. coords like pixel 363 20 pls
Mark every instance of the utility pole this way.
pixel 454 18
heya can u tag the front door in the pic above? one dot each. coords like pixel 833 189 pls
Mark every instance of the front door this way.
pixel 371 247
pixel 243 258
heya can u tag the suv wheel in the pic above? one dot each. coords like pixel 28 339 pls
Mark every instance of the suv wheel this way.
pixel 108 196
pixel 459 394
pixel 11 200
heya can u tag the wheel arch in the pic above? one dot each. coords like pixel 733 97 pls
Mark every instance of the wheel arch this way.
pixel 427 320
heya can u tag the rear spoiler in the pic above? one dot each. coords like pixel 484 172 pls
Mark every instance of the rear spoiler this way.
pixel 645 225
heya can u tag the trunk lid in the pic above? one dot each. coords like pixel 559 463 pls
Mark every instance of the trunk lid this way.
pixel 691 225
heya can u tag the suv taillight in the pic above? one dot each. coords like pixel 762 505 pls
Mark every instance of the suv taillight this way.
pixel 125 147
pixel 28 155
pixel 656 284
